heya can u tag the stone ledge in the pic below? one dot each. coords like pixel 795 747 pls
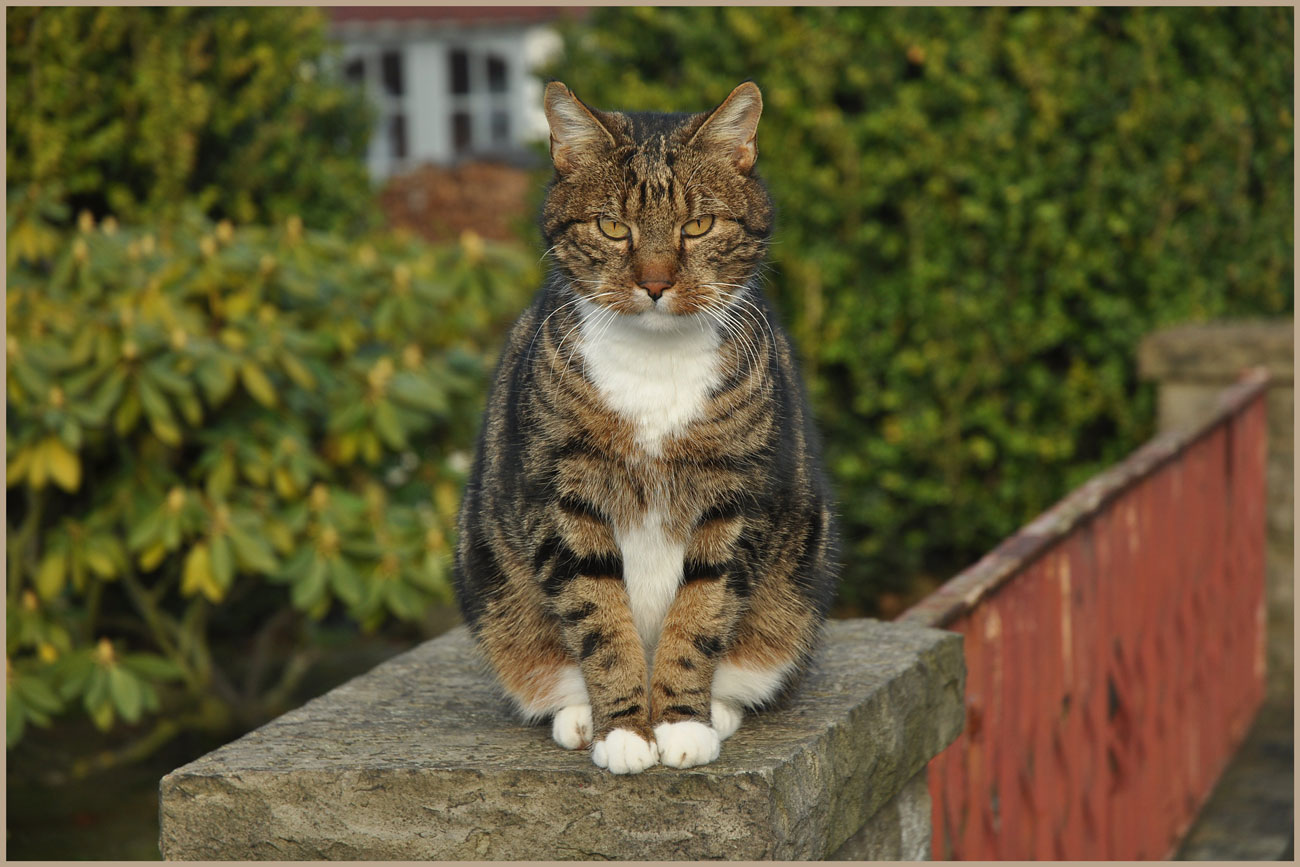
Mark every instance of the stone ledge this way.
pixel 1217 352
pixel 421 759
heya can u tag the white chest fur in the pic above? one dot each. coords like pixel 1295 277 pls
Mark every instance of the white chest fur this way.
pixel 659 380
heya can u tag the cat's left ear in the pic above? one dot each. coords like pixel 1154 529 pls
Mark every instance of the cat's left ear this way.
pixel 732 126
pixel 575 131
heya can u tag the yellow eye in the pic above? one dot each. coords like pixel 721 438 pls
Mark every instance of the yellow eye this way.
pixel 695 228
pixel 613 228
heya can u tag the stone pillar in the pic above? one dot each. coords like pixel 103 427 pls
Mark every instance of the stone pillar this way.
pixel 422 759
pixel 1191 364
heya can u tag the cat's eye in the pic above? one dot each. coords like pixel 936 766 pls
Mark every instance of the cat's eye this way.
pixel 612 228
pixel 695 228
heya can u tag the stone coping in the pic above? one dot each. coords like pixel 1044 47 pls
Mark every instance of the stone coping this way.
pixel 422 759
pixel 1218 351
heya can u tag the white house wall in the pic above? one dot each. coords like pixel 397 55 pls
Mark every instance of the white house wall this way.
pixel 427 103
pixel 426 61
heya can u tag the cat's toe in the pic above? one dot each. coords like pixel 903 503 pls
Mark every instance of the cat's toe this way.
pixel 623 751
pixel 572 726
pixel 687 744
pixel 726 718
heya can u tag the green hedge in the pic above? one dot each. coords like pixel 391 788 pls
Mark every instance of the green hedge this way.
pixel 208 423
pixel 134 111
pixel 981 212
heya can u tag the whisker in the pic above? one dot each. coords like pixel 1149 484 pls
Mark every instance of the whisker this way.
pixel 568 303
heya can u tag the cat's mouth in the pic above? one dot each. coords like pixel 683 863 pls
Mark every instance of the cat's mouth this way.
pixel 669 303
pixel 673 310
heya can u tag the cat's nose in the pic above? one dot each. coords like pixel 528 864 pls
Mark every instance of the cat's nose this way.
pixel 655 288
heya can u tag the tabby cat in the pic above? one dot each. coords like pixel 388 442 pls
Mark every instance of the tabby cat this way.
pixel 646 543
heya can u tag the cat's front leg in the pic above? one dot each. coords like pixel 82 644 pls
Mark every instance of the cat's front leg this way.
pixel 598 632
pixel 696 631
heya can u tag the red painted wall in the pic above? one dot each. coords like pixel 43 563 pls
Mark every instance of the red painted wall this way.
pixel 1114 653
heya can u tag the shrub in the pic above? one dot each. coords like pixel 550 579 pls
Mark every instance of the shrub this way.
pixel 982 211
pixel 134 111
pixel 205 418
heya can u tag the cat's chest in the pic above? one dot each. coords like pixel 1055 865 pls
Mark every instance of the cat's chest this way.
pixel 658 382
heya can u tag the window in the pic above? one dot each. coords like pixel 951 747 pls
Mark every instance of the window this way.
pixel 392 63
pixel 496 74
pixel 355 71
pixel 397 136
pixel 479 86
pixel 459 71
pixel 462 132
pixel 381 72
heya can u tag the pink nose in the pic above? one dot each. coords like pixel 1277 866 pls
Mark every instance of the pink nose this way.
pixel 655 288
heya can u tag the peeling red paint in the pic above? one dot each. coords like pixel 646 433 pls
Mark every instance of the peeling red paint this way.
pixel 1113 653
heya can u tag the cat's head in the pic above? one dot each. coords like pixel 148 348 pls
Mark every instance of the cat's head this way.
pixel 656 215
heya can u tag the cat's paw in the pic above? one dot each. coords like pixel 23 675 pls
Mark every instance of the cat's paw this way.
pixel 572 727
pixel 687 744
pixel 726 718
pixel 623 751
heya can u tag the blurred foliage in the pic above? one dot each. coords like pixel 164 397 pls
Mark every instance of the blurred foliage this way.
pixel 135 111
pixel 981 213
pixel 202 417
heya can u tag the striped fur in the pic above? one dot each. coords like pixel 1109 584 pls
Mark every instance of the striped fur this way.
pixel 646 538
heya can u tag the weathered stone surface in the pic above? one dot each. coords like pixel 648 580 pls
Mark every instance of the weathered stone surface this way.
pixel 421 759
pixel 1250 816
pixel 1215 351
pixel 900 830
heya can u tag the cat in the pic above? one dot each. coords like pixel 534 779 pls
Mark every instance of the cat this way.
pixel 646 546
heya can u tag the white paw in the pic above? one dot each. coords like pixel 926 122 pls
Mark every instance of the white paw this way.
pixel 572 726
pixel 726 718
pixel 687 744
pixel 623 751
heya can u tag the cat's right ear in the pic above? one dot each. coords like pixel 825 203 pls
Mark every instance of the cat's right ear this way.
pixel 574 129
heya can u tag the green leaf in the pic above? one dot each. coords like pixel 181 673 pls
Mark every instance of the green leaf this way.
pixel 346 582
pixel 312 586
pixel 256 382
pixel 297 371
pixel 418 392
pixel 253 552
pixel 223 564
pixel 161 374
pixel 127 695
pixel 74 674
pixel 404 601
pixel 99 557
pixel 148 530
pixel 216 376
pixel 153 667
pixel 388 426
pixel 95 412
pixel 37 694
pixel 52 575
pixel 161 418
pixel 222 478
pixel 96 694
pixel 64 465
pixel 15 719
pixel 102 716
pixel 197 577
pixel 127 415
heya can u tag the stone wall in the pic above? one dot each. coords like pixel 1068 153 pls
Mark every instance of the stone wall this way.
pixel 422 759
pixel 1191 364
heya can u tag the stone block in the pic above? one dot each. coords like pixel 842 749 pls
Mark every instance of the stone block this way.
pixel 1219 351
pixel 900 830
pixel 421 759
